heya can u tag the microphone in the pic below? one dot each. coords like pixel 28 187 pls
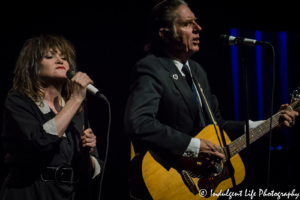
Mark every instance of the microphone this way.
pixel 231 40
pixel 90 87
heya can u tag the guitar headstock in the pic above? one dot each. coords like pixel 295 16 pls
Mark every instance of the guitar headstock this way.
pixel 295 100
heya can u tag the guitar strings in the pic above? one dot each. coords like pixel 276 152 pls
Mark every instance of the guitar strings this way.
pixel 239 144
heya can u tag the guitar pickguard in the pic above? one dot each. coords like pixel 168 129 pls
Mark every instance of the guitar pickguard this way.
pixel 211 182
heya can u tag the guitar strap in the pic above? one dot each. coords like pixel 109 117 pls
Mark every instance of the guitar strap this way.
pixel 211 115
pixel 229 164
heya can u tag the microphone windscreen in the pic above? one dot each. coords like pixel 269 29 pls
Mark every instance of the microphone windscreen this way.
pixel 71 74
pixel 223 39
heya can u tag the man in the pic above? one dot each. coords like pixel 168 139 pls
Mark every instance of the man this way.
pixel 166 107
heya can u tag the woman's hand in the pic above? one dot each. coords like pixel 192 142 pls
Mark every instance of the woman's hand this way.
pixel 79 86
pixel 88 140
pixel 78 93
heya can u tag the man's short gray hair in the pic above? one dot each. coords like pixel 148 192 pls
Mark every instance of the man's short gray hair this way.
pixel 162 16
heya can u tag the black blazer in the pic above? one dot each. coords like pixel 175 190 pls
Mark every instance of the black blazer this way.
pixel 162 112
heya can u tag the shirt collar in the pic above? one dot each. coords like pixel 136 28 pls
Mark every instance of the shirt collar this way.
pixel 178 64
pixel 43 106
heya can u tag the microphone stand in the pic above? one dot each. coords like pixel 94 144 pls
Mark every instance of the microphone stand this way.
pixel 85 177
pixel 245 81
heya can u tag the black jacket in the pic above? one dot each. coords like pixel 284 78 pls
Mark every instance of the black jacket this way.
pixel 30 150
pixel 162 113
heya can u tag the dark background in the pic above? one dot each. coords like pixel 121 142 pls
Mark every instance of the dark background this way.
pixel 109 37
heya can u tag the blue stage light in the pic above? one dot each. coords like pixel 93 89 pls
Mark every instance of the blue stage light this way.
pixel 279 147
pixel 259 76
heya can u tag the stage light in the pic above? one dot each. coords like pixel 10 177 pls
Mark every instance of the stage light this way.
pixel 279 147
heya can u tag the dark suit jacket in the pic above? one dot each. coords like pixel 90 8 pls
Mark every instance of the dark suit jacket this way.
pixel 162 113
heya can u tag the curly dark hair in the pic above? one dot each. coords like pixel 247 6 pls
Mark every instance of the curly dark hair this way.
pixel 27 72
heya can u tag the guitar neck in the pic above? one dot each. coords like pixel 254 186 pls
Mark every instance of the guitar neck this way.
pixel 240 143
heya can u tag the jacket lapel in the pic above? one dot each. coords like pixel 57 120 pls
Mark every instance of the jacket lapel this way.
pixel 181 85
pixel 204 103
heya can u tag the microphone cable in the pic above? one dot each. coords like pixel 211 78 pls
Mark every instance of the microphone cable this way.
pixel 231 40
pixel 70 74
pixel 106 153
pixel 272 98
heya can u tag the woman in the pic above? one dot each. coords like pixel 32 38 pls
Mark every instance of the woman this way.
pixel 43 123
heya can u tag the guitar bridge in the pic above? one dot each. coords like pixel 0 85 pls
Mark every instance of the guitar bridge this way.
pixel 189 182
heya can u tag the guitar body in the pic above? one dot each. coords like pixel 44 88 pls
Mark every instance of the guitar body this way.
pixel 164 182
pixel 152 178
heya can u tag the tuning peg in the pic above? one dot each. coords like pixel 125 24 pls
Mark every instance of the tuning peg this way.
pixel 295 92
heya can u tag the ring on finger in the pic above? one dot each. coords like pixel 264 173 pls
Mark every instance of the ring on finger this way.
pixel 291 123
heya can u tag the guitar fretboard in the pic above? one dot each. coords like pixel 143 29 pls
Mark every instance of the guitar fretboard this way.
pixel 240 143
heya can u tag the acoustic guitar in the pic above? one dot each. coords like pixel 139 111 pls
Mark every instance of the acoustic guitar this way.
pixel 196 180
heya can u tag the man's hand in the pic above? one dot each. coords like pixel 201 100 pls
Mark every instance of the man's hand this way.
pixel 287 118
pixel 210 153
pixel 88 140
